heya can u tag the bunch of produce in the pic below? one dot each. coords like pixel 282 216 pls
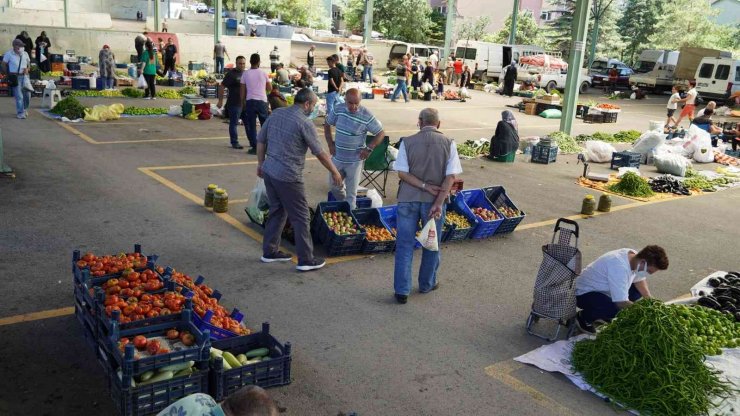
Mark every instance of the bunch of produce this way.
pixel 203 301
pixel 187 90
pixel 646 360
pixel 377 233
pixel 145 111
pixel 169 94
pixel 341 223
pixel 140 302
pixel 711 329
pixel 508 211
pixel 702 183
pixel 669 185
pixel 458 220
pixel 69 107
pixel 632 184
pixel 174 340
pixel 53 74
pixel 617 95
pixel 627 136
pixel 566 142
pixel 726 159
pixel 607 106
pixel 485 214
pixel 725 296
pixel 95 93
pixel 472 148
pixel 450 95
pixel 132 92
pixel 231 361
pixel 103 265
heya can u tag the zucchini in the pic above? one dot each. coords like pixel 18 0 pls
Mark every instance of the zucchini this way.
pixel 253 360
pixel 216 351
pixel 146 376
pixel 177 367
pixel 257 352
pixel 242 359
pixel 233 362
pixel 184 372
pixel 225 363
pixel 162 376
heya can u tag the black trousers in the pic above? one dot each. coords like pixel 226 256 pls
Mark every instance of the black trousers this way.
pixel 151 85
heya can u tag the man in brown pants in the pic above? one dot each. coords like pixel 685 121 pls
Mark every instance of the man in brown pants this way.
pixel 281 153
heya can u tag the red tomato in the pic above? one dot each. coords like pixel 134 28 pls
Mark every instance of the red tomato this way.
pixel 188 339
pixel 128 310
pixel 140 342
pixel 111 300
pixel 173 334
pixel 128 292
pixel 153 346
pixel 163 351
pixel 152 314
pixel 146 297
pixel 81 264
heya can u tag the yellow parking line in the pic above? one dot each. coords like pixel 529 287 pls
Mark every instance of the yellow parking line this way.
pixel 76 132
pixel 184 139
pixel 35 316
pixel 502 372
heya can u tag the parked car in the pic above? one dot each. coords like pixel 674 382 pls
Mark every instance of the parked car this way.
pixel 601 78
pixel 256 20
pixel 201 8
pixel 278 22
pixel 718 78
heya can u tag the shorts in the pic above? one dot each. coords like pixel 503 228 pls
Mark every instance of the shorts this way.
pixel 688 110
pixel 671 111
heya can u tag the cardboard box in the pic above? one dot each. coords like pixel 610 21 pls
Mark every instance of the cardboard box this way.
pixel 530 109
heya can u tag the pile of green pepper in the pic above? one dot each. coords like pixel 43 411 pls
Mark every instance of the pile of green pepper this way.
pixel 646 360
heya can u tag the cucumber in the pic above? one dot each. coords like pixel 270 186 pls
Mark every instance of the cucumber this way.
pixel 242 359
pixel 216 352
pixel 164 375
pixel 253 360
pixel 177 367
pixel 257 352
pixel 233 362
pixel 226 364
pixel 184 372
pixel 146 376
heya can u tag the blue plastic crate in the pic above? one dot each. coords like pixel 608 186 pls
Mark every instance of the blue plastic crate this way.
pixel 86 319
pixel 98 280
pixel 451 233
pixel 152 398
pixel 389 215
pixel 270 373
pixel 497 197
pixel 625 160
pixel 131 366
pixel 334 244
pixel 371 216
pixel 544 154
pixel 733 153
pixel 468 199
pixel 360 201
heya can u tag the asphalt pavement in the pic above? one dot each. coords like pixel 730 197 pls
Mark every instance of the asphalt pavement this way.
pixel 444 353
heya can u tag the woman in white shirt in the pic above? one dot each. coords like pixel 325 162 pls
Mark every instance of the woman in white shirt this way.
pixel 615 281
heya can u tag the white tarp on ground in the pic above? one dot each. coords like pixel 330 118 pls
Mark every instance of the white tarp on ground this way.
pixel 555 357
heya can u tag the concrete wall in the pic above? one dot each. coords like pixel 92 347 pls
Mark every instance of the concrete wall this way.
pixel 51 18
pixel 193 47
pixel 81 6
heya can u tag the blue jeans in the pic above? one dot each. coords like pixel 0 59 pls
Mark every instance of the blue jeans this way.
pixel 235 113
pixel 255 109
pixel 220 65
pixel 401 88
pixel 331 98
pixel 597 305
pixel 409 215
pixel 22 97
pixel 367 73
pixel 108 82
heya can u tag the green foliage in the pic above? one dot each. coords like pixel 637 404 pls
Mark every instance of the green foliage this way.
pixel 306 13
pixel 473 29
pixel 406 20
pixel 639 24
pixel 132 92
pixel 436 34
pixel 70 108
pixel 689 23
pixel 527 31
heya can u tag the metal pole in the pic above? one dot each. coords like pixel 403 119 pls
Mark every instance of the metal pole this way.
pixel 156 15
pixel 594 41
pixel 217 20
pixel 169 10
pixel 514 16
pixel 449 28
pixel 66 13
pixel 575 61
pixel 368 33
pixel 245 13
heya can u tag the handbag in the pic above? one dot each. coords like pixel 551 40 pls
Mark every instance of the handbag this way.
pixel 13 78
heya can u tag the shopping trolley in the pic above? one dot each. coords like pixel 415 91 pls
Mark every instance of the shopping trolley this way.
pixel 554 290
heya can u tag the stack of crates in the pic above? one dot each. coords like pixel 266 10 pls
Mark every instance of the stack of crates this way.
pixel 543 153
pixel 625 160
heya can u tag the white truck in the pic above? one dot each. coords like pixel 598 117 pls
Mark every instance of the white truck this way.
pixel 550 77
pixel 654 70
pixel 488 59
pixel 689 61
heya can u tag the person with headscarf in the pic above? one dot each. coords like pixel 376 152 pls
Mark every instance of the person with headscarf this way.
pixel 510 75
pixel 27 42
pixel 42 48
pixel 506 138
pixel 106 65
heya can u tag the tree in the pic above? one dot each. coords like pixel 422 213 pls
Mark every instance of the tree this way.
pixel 406 20
pixel 473 29
pixel 639 23
pixel 527 31
pixel 599 9
pixel 610 43
pixel 307 13
pixel 436 34
pixel 559 32
pixel 686 23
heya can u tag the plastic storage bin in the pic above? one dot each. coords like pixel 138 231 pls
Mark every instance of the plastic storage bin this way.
pixel 544 154
pixel 451 233
pixel 335 244
pixel 625 159
pixel 371 216
pixel 469 199
pixel 497 196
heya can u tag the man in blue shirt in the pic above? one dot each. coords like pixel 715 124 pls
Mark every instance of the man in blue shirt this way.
pixel 349 150
pixel 16 63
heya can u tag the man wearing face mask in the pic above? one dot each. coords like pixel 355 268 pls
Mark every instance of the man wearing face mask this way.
pixel 15 66
pixel 615 281
pixel 281 153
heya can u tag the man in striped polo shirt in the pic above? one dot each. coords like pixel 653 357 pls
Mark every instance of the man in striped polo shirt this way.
pixel 353 124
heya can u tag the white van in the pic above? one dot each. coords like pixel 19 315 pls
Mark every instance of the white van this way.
pixel 399 49
pixel 717 78
pixel 654 70
pixel 491 58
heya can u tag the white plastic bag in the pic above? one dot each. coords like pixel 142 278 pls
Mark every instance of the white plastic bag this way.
pixel 428 236
pixel 648 141
pixel 375 198
pixel 599 151
pixel 27 84
pixel 258 202
pixel 175 110
pixel 392 153
pixel 464 92
pixel 141 83
pixel 699 145
pixel 671 163
pixel 426 87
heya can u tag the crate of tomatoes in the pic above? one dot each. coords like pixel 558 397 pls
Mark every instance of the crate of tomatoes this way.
pixel 487 218
pixel 208 312
pixel 378 235
pixel 104 267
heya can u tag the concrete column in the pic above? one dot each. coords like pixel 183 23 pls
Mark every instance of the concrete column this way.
pixel 66 13
pixel 368 33
pixel 217 6
pixel 245 12
pixel 449 28
pixel 156 15
pixel 514 16
pixel 575 61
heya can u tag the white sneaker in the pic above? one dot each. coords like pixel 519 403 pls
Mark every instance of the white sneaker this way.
pixel 147 98
pixel 154 98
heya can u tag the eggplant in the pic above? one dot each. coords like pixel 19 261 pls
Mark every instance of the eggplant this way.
pixel 708 302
